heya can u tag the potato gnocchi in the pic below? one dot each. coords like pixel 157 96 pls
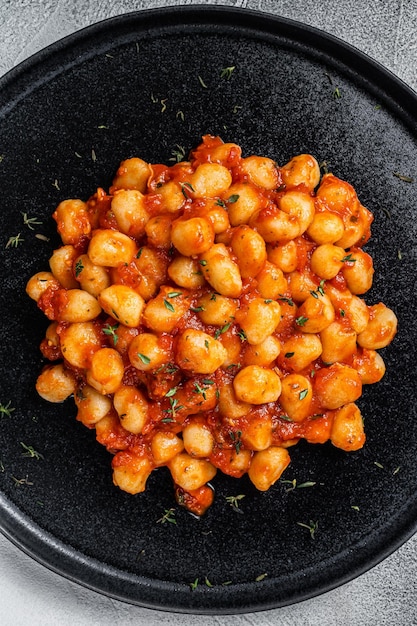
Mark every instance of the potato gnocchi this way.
pixel 207 315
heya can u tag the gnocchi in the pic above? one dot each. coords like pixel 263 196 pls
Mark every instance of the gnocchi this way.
pixel 208 315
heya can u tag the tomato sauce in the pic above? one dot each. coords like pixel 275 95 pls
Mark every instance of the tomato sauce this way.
pixel 177 396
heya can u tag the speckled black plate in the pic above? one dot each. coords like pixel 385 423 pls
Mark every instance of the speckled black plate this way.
pixel 143 84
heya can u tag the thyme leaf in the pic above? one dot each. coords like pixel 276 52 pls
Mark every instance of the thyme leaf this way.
pixel 227 72
pixel 234 501
pixel 168 305
pixel 261 577
pixel 6 409
pixel 311 527
pixel 21 481
pixel 405 179
pixel 30 452
pixel 79 266
pixel 111 332
pixel 13 242
pixel 236 439
pixel 30 221
pixel 222 330
pixel 242 335
pixel 300 321
pixel 283 298
pixel 167 517
pixel 145 359
pixel 178 154
pixel 185 187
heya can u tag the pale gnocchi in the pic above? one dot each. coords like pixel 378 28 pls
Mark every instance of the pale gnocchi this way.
pixel 208 315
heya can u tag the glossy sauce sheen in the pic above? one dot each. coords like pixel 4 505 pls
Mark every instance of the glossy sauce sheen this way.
pixel 189 416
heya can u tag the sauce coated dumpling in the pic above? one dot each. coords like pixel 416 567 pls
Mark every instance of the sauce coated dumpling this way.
pixel 208 315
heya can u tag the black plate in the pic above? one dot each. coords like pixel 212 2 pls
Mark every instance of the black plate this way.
pixel 142 84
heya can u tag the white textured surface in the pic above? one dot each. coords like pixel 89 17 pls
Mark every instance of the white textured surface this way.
pixel 386 595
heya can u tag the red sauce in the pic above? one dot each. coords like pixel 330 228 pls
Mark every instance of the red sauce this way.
pixel 197 501
pixel 175 395
pixel 53 301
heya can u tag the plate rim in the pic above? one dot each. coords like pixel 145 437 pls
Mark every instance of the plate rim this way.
pixel 346 51
pixel 37 542
pixel 31 537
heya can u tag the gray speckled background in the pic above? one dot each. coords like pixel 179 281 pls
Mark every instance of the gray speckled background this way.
pixel 387 594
